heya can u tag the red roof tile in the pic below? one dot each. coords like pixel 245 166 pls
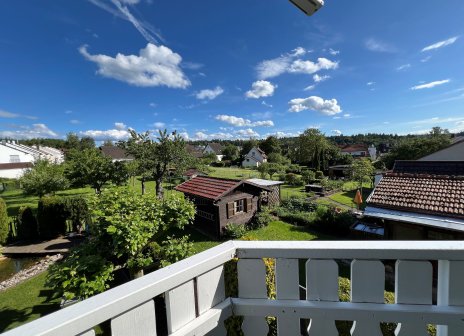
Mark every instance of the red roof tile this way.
pixel 423 193
pixel 208 187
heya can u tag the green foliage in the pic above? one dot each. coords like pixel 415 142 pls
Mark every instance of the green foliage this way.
pixel 26 224
pixel 44 178
pixel 234 231
pixel 173 249
pixel 85 272
pixel 293 168
pixel 261 219
pixel 77 212
pixel 271 145
pixel 247 146
pixel 91 167
pixel 298 204
pixel 230 152
pixel 278 158
pixel 417 147
pixel 362 171
pixel 312 148
pixel 293 179
pixel 51 217
pixel 156 157
pixel 319 175
pixel 4 222
pixel 308 176
pixel 123 228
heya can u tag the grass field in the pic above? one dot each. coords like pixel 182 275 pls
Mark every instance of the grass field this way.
pixel 346 197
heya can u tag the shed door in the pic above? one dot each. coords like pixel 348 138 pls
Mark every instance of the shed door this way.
pixel 230 209
pixel 249 204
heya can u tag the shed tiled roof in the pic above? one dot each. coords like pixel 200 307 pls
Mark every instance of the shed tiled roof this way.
pixel 208 187
pixel 421 193
pixel 430 167
pixel 15 165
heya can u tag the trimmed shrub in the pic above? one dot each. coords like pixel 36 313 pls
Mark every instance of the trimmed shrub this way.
pixel 26 224
pixel 261 219
pixel 4 222
pixel 234 231
pixel 51 216
pixel 293 179
pixel 298 204
pixel 319 175
pixel 77 212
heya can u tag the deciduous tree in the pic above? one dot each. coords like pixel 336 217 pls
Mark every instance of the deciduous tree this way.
pixel 44 178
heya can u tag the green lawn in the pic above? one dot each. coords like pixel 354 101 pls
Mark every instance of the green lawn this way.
pixel 233 173
pixel 278 230
pixel 346 197
pixel 26 302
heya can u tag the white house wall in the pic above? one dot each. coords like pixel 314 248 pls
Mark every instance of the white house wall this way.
pixel 12 173
pixel 6 151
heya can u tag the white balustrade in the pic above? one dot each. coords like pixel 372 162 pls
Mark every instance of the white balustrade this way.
pixel 196 303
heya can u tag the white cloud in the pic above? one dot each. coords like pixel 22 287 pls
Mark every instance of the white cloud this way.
pixel 292 63
pixel 261 88
pixel 309 67
pixel 241 122
pixel 68 112
pixel 426 59
pixel 112 134
pixel 27 132
pixel 10 115
pixel 440 44
pixel 337 132
pixel 334 52
pixel 309 88
pixel 314 103
pixel 318 78
pixel 201 136
pixel 159 124
pixel 370 83
pixel 120 126
pixel 184 135
pixel 74 121
pixel 192 65
pixel 403 67
pixel 247 133
pixel 210 94
pixel 120 10
pixel 430 85
pixel 378 46
pixel 155 66
pixel 266 104
pixel 153 105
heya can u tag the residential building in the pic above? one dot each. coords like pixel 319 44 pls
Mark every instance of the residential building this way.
pixel 254 158
pixel 357 150
pixel 195 151
pixel 420 200
pixel 14 160
pixel 214 148
pixel 223 201
pixel 116 153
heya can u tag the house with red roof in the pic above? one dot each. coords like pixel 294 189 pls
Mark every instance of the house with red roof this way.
pixel 420 200
pixel 221 201
pixel 357 150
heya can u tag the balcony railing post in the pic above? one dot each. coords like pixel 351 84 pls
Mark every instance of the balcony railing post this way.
pixel 322 285
pixel 287 288
pixel 138 321
pixel 413 285
pixel 252 285
pixel 450 292
pixel 367 286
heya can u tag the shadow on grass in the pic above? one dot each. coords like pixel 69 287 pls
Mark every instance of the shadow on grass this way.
pixel 11 318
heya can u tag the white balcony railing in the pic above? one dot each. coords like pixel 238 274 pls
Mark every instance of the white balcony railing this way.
pixel 196 304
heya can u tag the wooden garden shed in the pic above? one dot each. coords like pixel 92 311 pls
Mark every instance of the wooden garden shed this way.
pixel 222 201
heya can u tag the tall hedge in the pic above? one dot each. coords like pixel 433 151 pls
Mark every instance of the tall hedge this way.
pixel 78 213
pixel 4 222
pixel 51 216
pixel 26 224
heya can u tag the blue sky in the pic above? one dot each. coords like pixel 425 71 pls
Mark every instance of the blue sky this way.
pixel 235 69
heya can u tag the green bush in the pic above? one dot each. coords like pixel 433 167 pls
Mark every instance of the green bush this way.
pixel 293 179
pixel 261 219
pixel 319 175
pixel 77 212
pixel 234 231
pixel 4 222
pixel 308 176
pixel 172 250
pixel 26 224
pixel 51 216
pixel 298 203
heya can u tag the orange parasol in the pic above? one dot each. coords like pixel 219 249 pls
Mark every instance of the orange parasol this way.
pixel 358 198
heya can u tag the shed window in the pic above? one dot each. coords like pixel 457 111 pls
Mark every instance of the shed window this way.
pixel 14 158
pixel 239 206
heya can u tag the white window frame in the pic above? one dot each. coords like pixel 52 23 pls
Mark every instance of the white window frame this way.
pixel 239 206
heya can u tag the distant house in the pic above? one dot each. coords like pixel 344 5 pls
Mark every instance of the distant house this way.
pixel 14 159
pixel 195 151
pixel 359 150
pixel 116 153
pixel 223 201
pixel 214 148
pixel 254 158
pixel 420 200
